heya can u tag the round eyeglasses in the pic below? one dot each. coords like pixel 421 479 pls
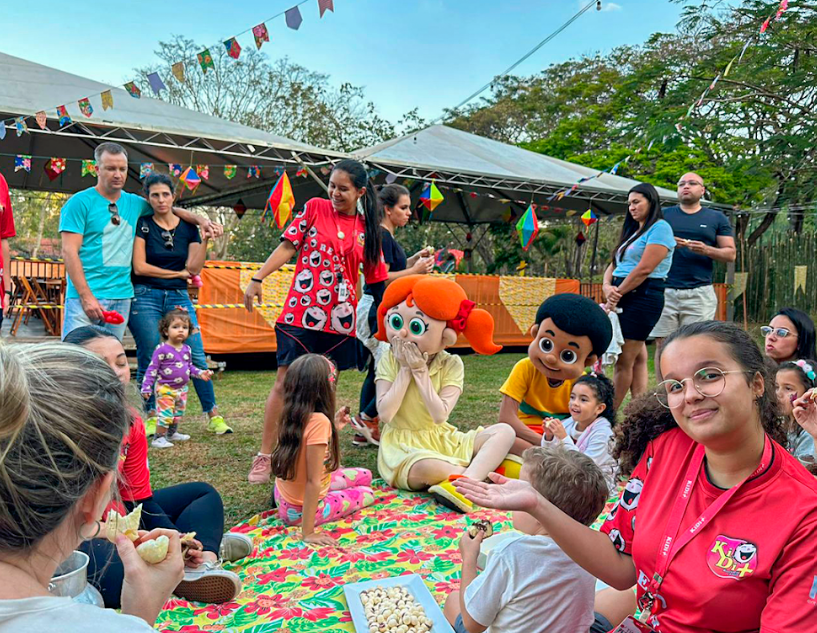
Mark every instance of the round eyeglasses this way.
pixel 709 382
pixel 779 332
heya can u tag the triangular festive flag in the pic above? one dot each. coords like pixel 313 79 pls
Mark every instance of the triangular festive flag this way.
pixel 233 48
pixel 156 83
pixel 431 196
pixel 85 107
pixel 203 171
pixel 528 228
pixel 22 161
pixel 190 178
pixel 571 213
pixel 89 168
pixel 293 18
pixel 326 5
pixel 580 239
pixel 62 112
pixel 230 171
pixel 800 278
pixel 281 200
pixel 145 169
pixel 391 178
pixel 764 26
pixel 240 208
pixel 205 60
pixel 54 167
pixel 784 4
pixel 133 90
pixel 253 170
pixel 107 100
pixel 588 217
pixel 175 169
pixel 260 34
pixel 20 125
pixel 41 119
pixel 178 71
pixel 302 172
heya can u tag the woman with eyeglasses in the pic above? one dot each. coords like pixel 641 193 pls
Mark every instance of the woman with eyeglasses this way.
pixel 715 514
pixel 789 336
pixel 166 253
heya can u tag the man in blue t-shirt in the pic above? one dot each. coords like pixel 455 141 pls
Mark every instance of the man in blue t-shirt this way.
pixel 98 226
pixel 703 236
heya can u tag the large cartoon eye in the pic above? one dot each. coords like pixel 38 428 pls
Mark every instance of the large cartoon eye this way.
pixel 396 322
pixel 417 327
pixel 546 345
pixel 568 356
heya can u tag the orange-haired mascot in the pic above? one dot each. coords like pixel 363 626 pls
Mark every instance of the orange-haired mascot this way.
pixel 419 383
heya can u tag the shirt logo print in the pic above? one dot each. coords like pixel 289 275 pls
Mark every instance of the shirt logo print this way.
pixel 732 558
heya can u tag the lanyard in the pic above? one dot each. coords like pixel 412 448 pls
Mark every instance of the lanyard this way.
pixel 342 253
pixel 671 544
pixel 584 438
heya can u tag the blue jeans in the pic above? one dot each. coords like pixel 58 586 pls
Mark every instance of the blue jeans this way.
pixel 75 316
pixel 149 306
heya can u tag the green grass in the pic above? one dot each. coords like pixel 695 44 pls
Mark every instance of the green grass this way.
pixel 224 461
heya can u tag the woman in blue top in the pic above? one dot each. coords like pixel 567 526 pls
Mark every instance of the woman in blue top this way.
pixel 634 284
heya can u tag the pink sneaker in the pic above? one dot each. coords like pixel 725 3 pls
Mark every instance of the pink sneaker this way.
pixel 261 469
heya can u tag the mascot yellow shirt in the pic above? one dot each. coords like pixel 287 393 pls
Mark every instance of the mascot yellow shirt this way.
pixel 536 398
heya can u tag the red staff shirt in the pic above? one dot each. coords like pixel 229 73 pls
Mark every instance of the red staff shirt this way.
pixel 753 567
pixel 6 231
pixel 134 470
pixel 322 294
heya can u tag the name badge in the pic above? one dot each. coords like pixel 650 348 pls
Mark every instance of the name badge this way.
pixel 631 625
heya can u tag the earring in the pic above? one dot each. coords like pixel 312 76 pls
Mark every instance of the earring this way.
pixel 360 207
pixel 94 535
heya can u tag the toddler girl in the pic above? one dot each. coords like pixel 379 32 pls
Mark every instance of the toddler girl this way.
pixel 590 425
pixel 311 489
pixel 792 380
pixel 171 368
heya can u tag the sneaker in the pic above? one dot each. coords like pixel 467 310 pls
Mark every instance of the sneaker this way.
pixel 368 429
pixel 161 442
pixel 218 426
pixel 359 440
pixel 235 546
pixel 209 583
pixel 178 437
pixel 446 495
pixel 150 426
pixel 260 470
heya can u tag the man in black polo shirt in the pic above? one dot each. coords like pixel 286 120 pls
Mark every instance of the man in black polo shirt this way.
pixel 703 236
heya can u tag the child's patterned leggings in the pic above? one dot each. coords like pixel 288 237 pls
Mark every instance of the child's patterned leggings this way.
pixel 170 405
pixel 349 491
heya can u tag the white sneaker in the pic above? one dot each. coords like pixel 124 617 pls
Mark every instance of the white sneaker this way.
pixel 179 437
pixel 160 441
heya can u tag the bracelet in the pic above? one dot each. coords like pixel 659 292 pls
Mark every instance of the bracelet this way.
pixel 256 280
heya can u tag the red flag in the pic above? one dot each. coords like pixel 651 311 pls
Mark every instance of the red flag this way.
pixel 326 5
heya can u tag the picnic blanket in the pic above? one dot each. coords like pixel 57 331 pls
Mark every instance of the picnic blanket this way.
pixel 292 587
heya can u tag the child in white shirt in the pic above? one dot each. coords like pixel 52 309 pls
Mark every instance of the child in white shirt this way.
pixel 589 428
pixel 529 583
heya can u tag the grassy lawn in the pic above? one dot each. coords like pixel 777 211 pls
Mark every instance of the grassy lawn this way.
pixel 224 461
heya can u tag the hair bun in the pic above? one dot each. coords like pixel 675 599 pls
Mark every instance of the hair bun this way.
pixel 15 402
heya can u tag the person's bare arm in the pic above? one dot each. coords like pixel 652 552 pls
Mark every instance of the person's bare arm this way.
pixel 71 243
pixel 281 255
pixel 315 454
pixel 509 414
pixel 141 267
pixel 208 227
pixel 196 254
pixel 653 255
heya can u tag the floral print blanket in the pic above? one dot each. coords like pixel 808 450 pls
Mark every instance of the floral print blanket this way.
pixel 291 587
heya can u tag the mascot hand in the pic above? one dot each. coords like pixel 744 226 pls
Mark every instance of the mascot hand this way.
pixel 414 359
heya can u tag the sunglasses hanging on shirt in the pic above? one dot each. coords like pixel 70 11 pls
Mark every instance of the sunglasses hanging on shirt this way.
pixel 116 219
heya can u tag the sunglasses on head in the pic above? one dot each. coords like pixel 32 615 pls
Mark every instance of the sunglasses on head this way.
pixel 114 211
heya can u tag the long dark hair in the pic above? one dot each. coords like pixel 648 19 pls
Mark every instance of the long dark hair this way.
pixel 805 331
pixel 360 179
pixel 307 390
pixel 389 195
pixel 605 392
pixel 630 231
pixel 806 381
pixel 644 419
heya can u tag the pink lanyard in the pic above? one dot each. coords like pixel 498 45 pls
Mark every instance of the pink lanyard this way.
pixel 584 438
pixel 671 544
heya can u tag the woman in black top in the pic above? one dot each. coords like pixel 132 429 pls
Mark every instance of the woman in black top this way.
pixel 395 202
pixel 166 253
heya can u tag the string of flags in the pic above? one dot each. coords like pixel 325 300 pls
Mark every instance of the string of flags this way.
pixel 204 59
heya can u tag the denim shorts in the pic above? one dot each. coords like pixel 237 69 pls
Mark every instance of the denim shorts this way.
pixel 75 316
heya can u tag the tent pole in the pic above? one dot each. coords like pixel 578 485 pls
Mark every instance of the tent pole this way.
pixel 310 172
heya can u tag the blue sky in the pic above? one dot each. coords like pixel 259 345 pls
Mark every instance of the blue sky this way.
pixel 428 54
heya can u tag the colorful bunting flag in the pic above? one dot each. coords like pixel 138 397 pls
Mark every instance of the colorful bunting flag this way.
pixel 156 83
pixel 588 217
pixel 326 5
pixel 302 172
pixel 85 107
pixel 178 71
pixel 614 170
pixel 260 34
pixel 145 169
pixel 293 18
pixel 230 171
pixel 22 161
pixel 175 169
pixel 20 125
pixel 41 119
pixel 390 178
pixel 240 208
pixel 89 168
pixel 54 167
pixel 233 48
pixel 253 170
pixel 203 171
pixel 764 26
pixel 431 196
pixel 205 60
pixel 191 179
pixel 800 278
pixel 133 90
pixel 528 228
pixel 784 4
pixel 107 100
pixel 62 112
pixel 281 200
